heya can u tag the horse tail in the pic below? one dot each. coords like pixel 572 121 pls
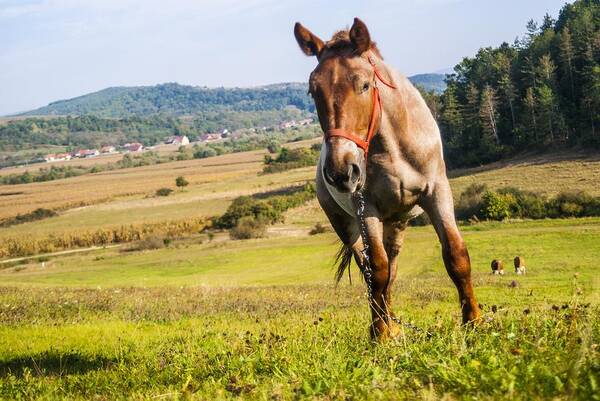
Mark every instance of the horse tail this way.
pixel 343 259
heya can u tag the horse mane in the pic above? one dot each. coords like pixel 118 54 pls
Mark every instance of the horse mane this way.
pixel 340 42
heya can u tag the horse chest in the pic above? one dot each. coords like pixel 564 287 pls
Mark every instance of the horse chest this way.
pixel 395 188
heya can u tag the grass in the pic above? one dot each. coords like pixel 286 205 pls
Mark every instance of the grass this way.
pixel 261 319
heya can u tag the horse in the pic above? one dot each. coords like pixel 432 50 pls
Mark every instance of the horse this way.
pixel 381 145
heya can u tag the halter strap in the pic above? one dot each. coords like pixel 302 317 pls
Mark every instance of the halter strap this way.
pixel 375 114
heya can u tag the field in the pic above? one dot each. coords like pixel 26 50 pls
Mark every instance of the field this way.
pixel 211 318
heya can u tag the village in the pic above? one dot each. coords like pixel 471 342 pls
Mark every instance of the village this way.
pixel 175 140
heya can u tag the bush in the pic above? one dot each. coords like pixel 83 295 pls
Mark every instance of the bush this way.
pixel 574 204
pixel 274 147
pixel 525 204
pixel 248 227
pixel 510 202
pixel 269 210
pixel 163 192
pixel 146 244
pixel 497 206
pixel 470 202
pixel 291 158
pixel 37 214
pixel 203 153
pixel 181 182
pixel 247 206
pixel 318 229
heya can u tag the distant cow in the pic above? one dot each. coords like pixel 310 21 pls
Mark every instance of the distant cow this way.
pixel 497 267
pixel 519 265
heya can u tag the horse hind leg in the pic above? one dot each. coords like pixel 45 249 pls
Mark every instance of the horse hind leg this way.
pixel 439 206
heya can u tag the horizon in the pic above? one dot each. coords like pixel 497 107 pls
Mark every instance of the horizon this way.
pixel 89 47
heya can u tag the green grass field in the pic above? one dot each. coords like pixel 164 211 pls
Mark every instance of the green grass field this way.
pixel 262 319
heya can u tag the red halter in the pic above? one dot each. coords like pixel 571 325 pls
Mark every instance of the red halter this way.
pixel 375 113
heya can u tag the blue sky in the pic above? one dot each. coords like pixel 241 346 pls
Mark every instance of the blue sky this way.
pixel 57 49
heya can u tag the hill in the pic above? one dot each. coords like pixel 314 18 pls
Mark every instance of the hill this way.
pixel 430 82
pixel 173 99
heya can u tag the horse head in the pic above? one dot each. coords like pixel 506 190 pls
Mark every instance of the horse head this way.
pixel 343 86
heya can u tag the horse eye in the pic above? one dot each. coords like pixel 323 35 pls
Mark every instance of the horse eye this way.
pixel 365 87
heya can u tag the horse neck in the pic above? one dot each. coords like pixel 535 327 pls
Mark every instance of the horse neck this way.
pixel 404 110
pixel 394 102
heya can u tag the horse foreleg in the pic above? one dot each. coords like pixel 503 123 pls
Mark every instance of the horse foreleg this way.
pixel 381 279
pixel 393 239
pixel 440 208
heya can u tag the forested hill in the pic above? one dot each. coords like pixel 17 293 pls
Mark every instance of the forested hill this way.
pixel 542 90
pixel 174 100
pixel 430 82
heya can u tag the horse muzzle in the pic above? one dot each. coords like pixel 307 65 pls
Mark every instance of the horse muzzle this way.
pixel 349 181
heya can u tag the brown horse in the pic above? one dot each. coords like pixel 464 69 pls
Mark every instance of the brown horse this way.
pixel 382 141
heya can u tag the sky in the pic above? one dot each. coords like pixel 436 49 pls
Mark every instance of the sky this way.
pixel 59 49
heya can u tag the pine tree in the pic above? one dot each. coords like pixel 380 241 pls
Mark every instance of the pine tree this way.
pixel 530 103
pixel 472 107
pixel 488 113
pixel 451 119
pixel 506 85
pixel 566 55
pixel 546 101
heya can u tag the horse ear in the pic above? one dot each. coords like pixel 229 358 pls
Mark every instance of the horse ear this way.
pixel 309 43
pixel 360 37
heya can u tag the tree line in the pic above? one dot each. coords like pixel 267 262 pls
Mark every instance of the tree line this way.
pixel 541 91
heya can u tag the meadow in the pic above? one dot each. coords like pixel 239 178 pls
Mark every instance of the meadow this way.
pixel 262 319
pixel 210 318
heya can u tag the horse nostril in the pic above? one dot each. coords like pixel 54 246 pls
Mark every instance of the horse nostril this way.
pixel 354 173
pixel 327 177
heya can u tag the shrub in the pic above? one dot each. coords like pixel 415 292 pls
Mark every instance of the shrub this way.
pixel 470 202
pixel 291 158
pixel 149 243
pixel 525 204
pixel 318 229
pixel 496 206
pixel 205 152
pixel 37 214
pixel 181 182
pixel 163 191
pixel 574 204
pixel 477 201
pixel 247 206
pixel 274 147
pixel 269 210
pixel 248 227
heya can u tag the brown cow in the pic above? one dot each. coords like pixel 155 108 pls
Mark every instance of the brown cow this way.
pixel 519 265
pixel 497 267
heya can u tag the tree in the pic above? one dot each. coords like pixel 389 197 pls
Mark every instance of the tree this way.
pixel 488 113
pixel 546 102
pixel 567 54
pixel 472 107
pixel 503 64
pixel 591 99
pixel 451 119
pixel 530 104
pixel 547 23
pixel 181 182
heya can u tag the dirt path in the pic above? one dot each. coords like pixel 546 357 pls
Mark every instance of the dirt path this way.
pixel 67 252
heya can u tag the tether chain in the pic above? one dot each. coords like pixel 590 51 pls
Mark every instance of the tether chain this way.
pixel 365 267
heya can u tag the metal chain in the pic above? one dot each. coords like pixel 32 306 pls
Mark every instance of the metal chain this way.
pixel 365 267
